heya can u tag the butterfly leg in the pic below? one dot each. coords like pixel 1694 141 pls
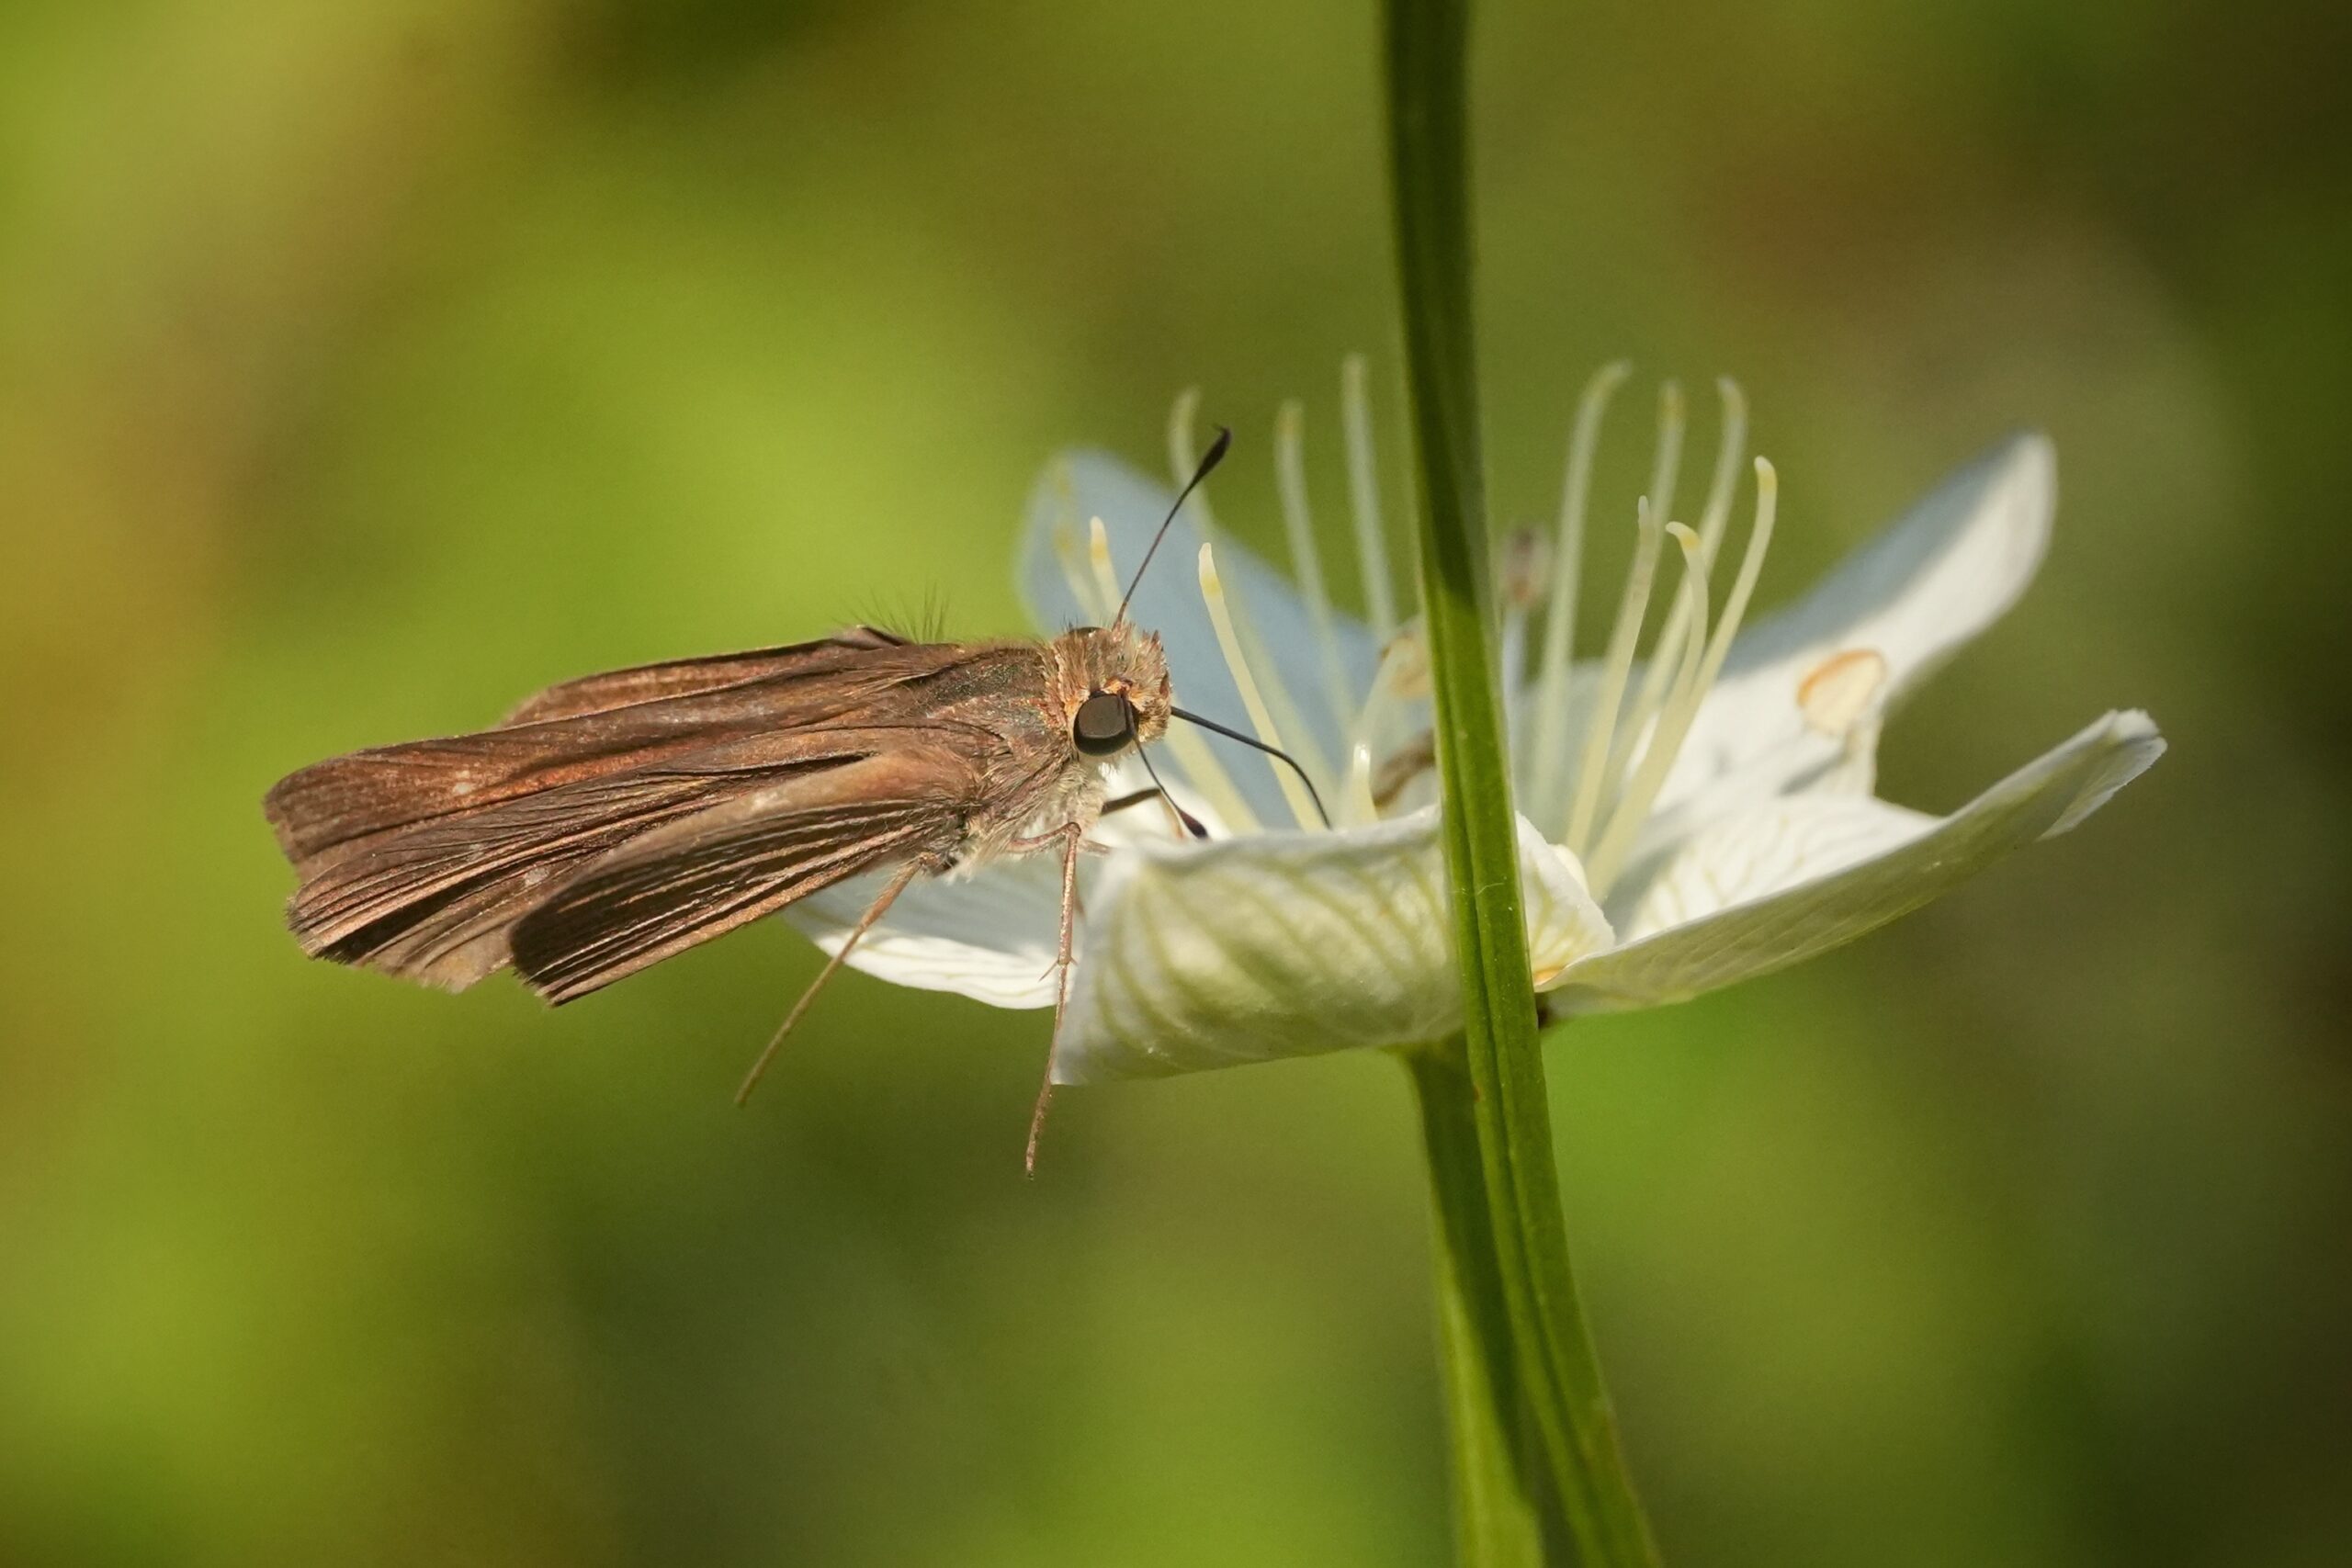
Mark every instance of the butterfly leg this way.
pixel 1073 838
pixel 890 891
pixel 1133 797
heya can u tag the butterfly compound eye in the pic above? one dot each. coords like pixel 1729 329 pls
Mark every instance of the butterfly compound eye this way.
pixel 1106 723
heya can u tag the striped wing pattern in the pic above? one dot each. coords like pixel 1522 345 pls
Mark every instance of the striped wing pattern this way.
pixel 712 872
pixel 595 834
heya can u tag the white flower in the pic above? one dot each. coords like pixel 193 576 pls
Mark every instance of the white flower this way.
pixel 1689 820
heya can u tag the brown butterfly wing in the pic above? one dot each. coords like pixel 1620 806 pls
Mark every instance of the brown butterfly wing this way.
pixel 421 859
pixel 697 677
pixel 432 901
pixel 589 729
pixel 435 902
pixel 704 876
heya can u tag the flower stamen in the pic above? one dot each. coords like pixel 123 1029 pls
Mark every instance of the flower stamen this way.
pixel 1183 452
pixel 1674 724
pixel 1356 806
pixel 1551 738
pixel 1711 523
pixel 1405 764
pixel 1302 805
pixel 1198 763
pixel 1625 814
pixel 1402 676
pixel 1524 568
pixel 1363 500
pixel 1290 476
pixel 1666 466
pixel 1098 557
pixel 1067 548
pixel 1617 665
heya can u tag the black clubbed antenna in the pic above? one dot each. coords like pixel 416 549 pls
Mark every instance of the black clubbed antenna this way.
pixel 1209 460
pixel 1191 824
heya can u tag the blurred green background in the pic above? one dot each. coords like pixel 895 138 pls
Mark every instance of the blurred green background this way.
pixel 364 367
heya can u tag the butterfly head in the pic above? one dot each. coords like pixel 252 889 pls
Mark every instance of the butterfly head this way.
pixel 1110 686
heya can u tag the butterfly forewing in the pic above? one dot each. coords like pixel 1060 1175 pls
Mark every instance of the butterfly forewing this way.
pixel 693 677
pixel 590 728
pixel 421 859
pixel 707 874
pixel 429 901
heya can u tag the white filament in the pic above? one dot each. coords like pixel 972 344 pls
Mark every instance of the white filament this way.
pixel 1685 653
pixel 1183 457
pixel 1674 725
pixel 1711 523
pixel 1199 765
pixel 1068 551
pixel 1290 476
pixel 1402 675
pixel 1363 500
pixel 1598 775
pixel 1551 739
pixel 1302 805
pixel 1357 808
pixel 1616 665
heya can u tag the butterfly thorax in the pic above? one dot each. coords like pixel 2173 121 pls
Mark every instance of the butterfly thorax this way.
pixel 1045 781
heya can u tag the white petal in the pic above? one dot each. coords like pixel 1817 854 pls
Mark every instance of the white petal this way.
pixel 1288 945
pixel 1758 852
pixel 1168 601
pixel 991 936
pixel 1929 583
pixel 1772 905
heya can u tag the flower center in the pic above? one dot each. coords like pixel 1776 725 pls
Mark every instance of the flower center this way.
pixel 1367 728
pixel 1596 782
pixel 1602 737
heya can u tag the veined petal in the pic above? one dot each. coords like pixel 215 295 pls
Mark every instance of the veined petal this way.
pixel 1773 905
pixel 1084 485
pixel 991 936
pixel 1758 852
pixel 1932 581
pixel 1290 945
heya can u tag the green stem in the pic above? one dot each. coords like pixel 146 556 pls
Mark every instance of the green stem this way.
pixel 1497 1523
pixel 1552 1356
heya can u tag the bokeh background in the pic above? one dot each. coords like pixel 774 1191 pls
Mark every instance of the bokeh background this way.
pixel 364 367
